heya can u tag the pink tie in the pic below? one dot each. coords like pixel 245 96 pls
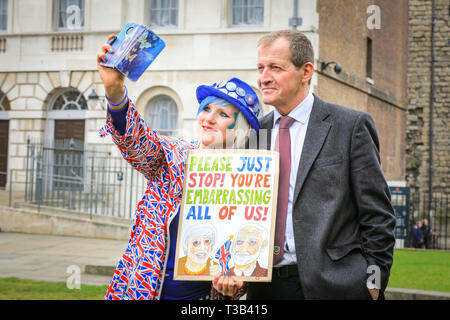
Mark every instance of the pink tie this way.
pixel 283 145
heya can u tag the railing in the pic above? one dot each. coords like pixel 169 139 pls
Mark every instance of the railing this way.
pixel 67 42
pixel 70 175
pixel 437 214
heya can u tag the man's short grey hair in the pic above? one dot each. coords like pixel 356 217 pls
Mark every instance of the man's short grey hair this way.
pixel 301 48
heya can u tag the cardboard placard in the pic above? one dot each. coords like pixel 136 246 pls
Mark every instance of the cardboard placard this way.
pixel 228 213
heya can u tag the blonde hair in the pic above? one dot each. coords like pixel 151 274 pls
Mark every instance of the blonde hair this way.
pixel 241 132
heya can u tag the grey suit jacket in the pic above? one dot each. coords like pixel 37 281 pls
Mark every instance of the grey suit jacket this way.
pixel 342 215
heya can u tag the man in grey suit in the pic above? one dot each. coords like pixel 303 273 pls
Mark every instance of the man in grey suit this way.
pixel 340 222
pixel 337 228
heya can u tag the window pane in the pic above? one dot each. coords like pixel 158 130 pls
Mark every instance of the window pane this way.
pixel 174 18
pixel 69 99
pixel 71 106
pixel 3 14
pixel 162 115
pixel 164 121
pixel 237 16
pixel 154 18
pixel 163 13
pixel 165 4
pixel 248 12
pixel 246 15
pixel 259 15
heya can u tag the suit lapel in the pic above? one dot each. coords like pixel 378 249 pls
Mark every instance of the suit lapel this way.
pixel 265 134
pixel 316 133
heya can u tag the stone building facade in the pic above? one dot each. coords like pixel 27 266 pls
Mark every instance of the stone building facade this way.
pixel 369 40
pixel 419 90
pixel 48 69
pixel 48 64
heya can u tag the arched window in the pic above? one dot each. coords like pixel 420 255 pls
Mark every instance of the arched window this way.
pixel 162 115
pixel 68 99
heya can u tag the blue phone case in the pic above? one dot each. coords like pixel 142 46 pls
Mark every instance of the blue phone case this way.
pixel 134 49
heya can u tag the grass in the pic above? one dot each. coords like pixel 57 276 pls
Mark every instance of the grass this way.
pixel 412 269
pixel 19 289
pixel 421 269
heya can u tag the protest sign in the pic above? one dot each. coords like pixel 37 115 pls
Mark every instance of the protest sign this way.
pixel 228 213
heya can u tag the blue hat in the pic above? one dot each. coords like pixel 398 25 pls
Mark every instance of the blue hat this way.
pixel 236 92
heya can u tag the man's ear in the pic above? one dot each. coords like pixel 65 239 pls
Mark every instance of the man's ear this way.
pixel 308 72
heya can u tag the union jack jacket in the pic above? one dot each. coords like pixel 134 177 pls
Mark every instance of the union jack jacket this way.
pixel 140 271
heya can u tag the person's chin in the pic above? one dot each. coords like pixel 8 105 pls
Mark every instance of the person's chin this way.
pixel 201 259
pixel 211 142
pixel 206 139
pixel 207 143
pixel 268 98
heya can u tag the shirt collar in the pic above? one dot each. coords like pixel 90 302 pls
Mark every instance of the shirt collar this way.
pixel 247 273
pixel 300 113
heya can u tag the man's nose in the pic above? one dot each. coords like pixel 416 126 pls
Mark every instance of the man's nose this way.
pixel 265 76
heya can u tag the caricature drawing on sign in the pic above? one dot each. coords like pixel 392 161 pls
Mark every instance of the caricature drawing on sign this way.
pixel 231 208
pixel 198 242
pixel 249 242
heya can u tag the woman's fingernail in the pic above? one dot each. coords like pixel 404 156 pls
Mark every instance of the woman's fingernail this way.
pixel 110 50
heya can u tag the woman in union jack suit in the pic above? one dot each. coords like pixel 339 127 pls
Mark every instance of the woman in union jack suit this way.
pixel 145 270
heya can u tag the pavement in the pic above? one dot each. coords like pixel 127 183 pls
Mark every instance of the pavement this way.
pixel 57 258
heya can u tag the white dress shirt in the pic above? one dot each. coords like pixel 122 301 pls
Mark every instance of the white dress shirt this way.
pixel 297 131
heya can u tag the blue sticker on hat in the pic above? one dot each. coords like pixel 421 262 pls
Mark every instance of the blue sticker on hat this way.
pixel 231 86
pixel 240 92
